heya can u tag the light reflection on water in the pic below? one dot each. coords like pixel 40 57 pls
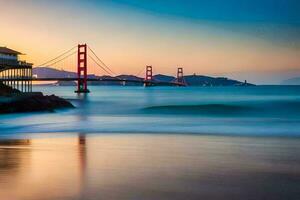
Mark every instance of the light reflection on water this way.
pixel 145 166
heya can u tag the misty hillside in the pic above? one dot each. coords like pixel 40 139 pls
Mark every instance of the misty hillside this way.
pixel 47 72
pixel 199 80
pixel 163 78
pixel 292 81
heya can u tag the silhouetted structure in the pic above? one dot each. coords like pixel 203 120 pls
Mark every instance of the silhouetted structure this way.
pixel 17 73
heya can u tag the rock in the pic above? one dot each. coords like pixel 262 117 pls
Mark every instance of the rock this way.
pixel 13 101
pixel 32 102
pixel 7 91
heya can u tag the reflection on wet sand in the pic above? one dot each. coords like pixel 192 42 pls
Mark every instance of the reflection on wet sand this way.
pixel 12 157
pixel 82 157
pixel 150 167
pixel 42 169
pixel 82 152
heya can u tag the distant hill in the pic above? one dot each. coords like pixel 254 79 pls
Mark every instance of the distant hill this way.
pixel 163 78
pixel 47 72
pixel 199 80
pixel 129 77
pixel 292 81
pixel 66 83
pixel 191 80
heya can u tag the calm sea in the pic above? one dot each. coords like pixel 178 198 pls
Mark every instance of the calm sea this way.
pixel 261 110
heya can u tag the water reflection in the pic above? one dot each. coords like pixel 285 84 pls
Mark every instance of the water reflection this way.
pixel 150 167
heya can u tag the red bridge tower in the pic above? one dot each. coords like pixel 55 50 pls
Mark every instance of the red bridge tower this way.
pixel 149 75
pixel 180 78
pixel 82 69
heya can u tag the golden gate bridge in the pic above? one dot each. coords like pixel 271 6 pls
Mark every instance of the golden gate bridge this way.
pixel 85 58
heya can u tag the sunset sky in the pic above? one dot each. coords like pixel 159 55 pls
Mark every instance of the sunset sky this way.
pixel 257 40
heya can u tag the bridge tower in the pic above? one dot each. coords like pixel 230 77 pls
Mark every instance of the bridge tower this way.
pixel 148 78
pixel 180 78
pixel 82 69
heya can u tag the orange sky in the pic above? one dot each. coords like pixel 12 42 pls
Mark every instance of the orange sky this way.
pixel 127 41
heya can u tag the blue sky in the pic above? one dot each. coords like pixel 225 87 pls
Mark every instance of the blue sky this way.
pixel 277 20
pixel 239 11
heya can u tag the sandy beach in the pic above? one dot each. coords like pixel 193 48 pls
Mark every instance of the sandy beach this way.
pixel 149 166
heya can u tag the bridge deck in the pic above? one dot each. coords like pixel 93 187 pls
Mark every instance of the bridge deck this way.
pixel 95 80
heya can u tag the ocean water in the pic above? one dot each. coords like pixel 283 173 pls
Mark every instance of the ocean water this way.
pixel 259 111
pixel 135 143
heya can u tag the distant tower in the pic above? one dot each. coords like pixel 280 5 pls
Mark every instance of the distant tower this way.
pixel 148 77
pixel 180 78
pixel 82 69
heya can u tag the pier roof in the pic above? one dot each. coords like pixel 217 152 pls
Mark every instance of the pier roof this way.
pixel 5 50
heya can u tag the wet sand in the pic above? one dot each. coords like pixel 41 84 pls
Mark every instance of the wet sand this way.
pixel 149 166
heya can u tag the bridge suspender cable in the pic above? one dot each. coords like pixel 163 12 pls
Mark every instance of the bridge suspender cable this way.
pixel 47 63
pixel 109 73
pixel 137 75
pixel 104 67
pixel 62 59
pixel 101 61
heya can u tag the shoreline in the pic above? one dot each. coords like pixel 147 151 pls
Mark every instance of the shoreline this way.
pixel 36 135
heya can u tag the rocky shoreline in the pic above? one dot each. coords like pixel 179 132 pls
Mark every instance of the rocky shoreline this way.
pixel 14 101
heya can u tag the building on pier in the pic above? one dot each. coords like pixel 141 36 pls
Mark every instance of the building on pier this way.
pixel 14 72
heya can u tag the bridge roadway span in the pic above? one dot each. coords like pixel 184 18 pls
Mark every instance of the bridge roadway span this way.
pixel 162 83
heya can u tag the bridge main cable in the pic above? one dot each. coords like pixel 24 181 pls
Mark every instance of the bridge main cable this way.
pixel 61 59
pixel 66 52
pixel 111 72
